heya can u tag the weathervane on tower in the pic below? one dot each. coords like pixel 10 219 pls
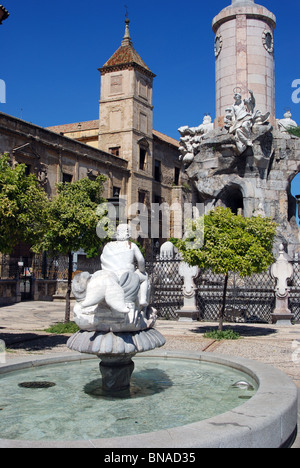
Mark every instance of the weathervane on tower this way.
pixel 126 11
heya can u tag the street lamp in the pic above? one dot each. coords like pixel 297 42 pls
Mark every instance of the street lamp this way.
pixel 3 14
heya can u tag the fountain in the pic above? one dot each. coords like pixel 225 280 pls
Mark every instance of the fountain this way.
pixel 113 312
pixel 172 400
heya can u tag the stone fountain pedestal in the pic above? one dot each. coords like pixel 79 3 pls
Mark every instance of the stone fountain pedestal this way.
pixel 113 313
pixel 116 350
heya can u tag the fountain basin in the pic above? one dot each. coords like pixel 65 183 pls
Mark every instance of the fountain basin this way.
pixel 267 420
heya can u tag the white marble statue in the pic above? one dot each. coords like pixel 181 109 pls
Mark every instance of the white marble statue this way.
pixel 116 298
pixel 286 123
pixel 191 138
pixel 240 119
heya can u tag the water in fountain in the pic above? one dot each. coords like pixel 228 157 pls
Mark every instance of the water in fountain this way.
pixel 67 401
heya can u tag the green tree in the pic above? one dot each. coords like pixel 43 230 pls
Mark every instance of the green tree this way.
pixel 229 243
pixel 71 223
pixel 23 206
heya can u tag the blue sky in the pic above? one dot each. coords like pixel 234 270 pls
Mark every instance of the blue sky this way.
pixel 51 52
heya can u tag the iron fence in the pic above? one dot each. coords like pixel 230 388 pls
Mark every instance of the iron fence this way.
pixel 56 267
pixel 294 294
pixel 250 299
pixel 166 291
pixel 247 300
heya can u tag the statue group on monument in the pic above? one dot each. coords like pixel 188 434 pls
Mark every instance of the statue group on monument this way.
pixel 239 121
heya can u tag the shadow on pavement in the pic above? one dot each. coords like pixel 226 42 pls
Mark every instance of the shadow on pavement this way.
pixel 243 330
pixel 32 341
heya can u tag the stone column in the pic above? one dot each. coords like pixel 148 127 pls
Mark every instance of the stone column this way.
pixel 282 271
pixel 244 52
pixel 189 311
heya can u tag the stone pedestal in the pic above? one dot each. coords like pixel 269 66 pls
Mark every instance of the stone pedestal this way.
pixel 116 351
pixel 282 271
pixel 189 312
pixel 116 373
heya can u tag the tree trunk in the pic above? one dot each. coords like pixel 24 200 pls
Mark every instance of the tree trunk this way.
pixel 68 295
pixel 222 313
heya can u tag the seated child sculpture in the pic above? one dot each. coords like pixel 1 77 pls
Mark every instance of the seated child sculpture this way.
pixel 115 298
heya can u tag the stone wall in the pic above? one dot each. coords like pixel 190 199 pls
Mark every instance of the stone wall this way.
pixel 9 292
pixel 52 156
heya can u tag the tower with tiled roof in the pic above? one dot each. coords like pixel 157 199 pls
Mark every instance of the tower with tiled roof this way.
pixel 126 110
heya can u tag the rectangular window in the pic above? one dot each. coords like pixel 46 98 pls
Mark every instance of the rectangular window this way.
pixel 143 89
pixel 142 197
pixel 143 154
pixel 176 175
pixel 143 123
pixel 116 84
pixel 157 170
pixel 27 169
pixel 115 119
pixel 116 192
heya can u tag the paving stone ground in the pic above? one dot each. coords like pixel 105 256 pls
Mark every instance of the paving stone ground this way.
pixel 22 328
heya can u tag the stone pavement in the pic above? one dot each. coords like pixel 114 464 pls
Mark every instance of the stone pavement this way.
pixel 22 329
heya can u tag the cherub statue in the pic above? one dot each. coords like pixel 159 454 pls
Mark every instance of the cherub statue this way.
pixel 115 298
pixel 120 257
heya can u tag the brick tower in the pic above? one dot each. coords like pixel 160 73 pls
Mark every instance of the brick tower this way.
pixel 244 50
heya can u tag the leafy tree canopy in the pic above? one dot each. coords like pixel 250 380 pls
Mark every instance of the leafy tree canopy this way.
pixel 73 218
pixel 224 242
pixel 229 242
pixel 23 206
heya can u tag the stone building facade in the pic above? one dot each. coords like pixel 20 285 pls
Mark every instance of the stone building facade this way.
pixel 141 165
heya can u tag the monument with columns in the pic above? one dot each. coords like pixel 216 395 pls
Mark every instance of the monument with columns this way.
pixel 248 159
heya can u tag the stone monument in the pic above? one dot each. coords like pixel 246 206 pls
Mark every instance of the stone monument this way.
pixel 248 160
pixel 113 313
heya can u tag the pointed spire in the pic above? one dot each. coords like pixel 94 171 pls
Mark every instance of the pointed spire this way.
pixel 127 39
